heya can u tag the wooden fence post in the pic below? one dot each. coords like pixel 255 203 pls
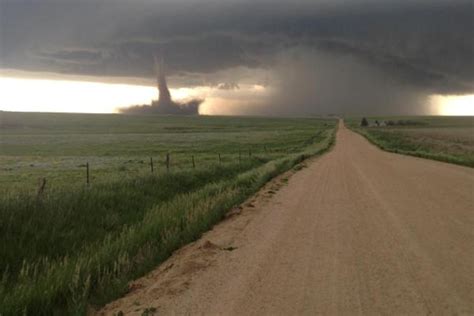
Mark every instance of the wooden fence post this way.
pixel 250 153
pixel 151 164
pixel 240 157
pixel 168 162
pixel 220 158
pixel 87 173
pixel 41 187
pixel 194 165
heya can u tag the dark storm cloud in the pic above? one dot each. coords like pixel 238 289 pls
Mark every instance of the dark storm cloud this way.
pixel 75 56
pixel 425 46
pixel 228 86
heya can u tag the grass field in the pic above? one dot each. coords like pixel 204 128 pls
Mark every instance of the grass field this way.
pixel 58 146
pixel 448 139
pixel 75 246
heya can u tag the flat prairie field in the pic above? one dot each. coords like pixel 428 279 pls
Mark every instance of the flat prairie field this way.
pixel 449 139
pixel 58 146
pixel 155 184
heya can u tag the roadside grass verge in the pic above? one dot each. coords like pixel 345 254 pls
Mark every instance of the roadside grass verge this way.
pixel 451 144
pixel 92 242
pixel 62 221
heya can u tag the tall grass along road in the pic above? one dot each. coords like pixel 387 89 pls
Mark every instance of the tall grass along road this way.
pixel 359 231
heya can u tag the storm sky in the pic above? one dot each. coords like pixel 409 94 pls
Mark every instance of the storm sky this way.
pixel 292 57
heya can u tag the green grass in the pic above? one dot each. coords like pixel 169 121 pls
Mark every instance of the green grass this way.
pixel 75 246
pixel 448 139
pixel 57 146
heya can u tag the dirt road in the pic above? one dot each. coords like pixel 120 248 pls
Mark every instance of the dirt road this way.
pixel 359 231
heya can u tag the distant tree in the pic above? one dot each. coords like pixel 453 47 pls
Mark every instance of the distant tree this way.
pixel 377 123
pixel 364 122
